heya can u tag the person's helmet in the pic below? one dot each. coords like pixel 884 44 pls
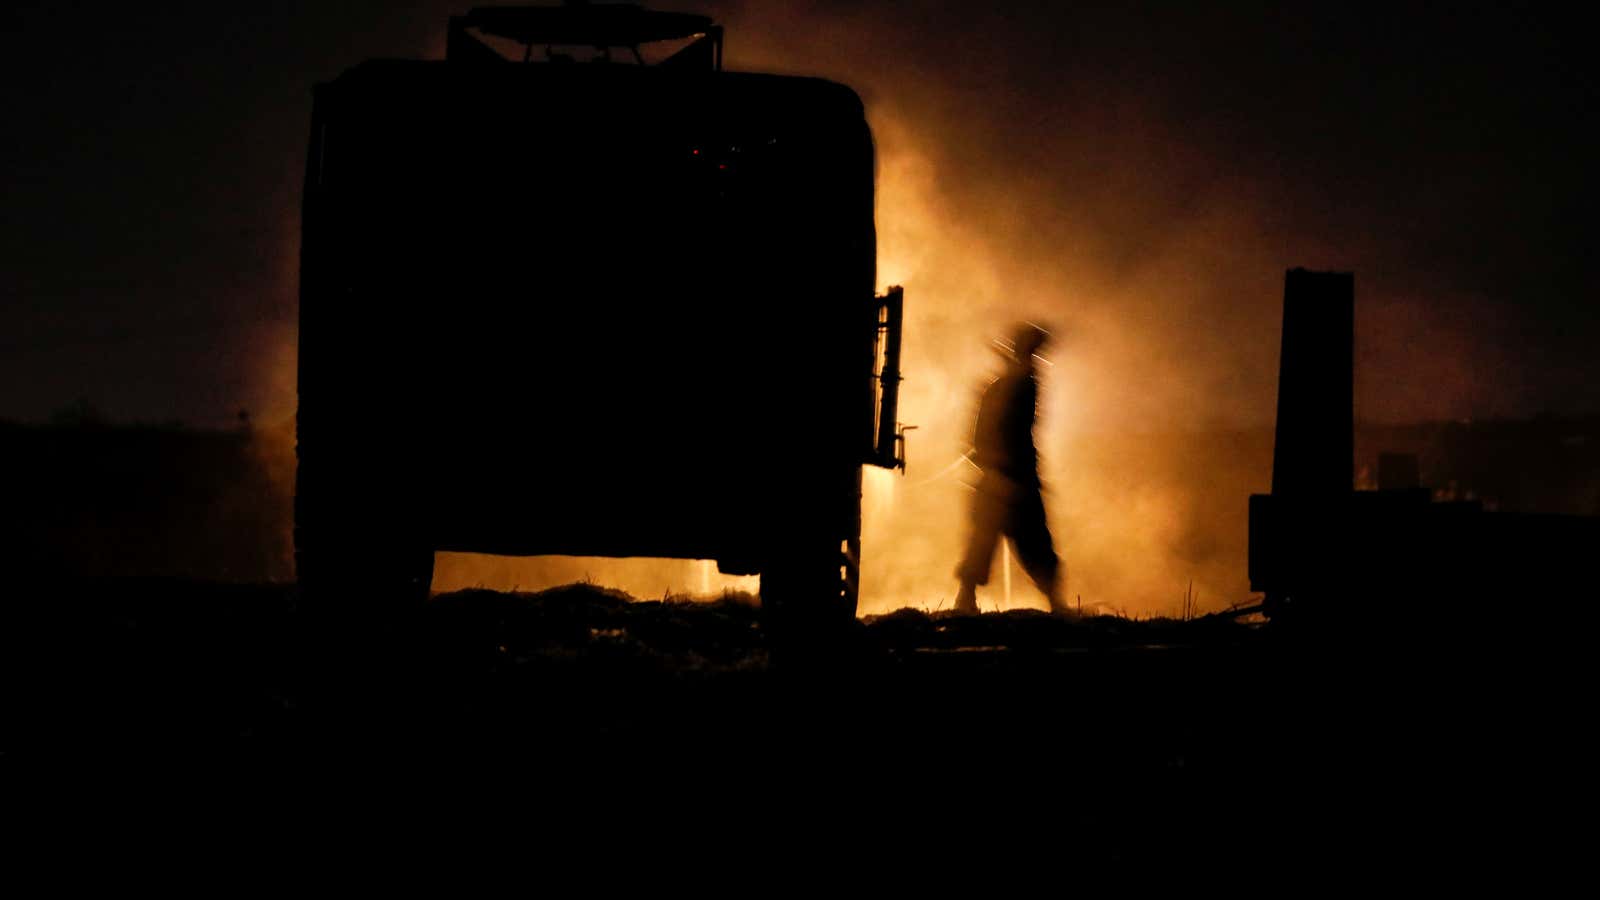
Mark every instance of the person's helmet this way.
pixel 1027 339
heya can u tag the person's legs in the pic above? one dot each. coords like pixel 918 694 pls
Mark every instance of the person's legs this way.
pixel 1036 552
pixel 966 598
pixel 989 504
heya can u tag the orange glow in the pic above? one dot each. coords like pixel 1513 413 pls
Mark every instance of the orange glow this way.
pixel 644 579
pixel 1136 511
pixel 1125 502
pixel 1165 325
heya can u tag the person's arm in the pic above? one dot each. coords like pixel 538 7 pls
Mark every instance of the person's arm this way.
pixel 1021 410
pixel 988 438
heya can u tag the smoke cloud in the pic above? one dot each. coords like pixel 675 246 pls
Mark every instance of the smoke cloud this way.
pixel 1139 183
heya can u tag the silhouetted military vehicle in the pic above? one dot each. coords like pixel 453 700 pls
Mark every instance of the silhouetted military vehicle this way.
pixel 553 305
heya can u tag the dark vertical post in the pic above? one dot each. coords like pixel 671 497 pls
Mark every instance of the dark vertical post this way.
pixel 1314 452
pixel 890 314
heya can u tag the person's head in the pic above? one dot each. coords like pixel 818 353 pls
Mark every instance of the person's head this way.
pixel 1027 340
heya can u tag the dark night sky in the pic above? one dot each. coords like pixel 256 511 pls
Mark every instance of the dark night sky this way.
pixel 154 153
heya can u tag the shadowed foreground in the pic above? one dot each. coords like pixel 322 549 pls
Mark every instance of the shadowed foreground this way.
pixel 1134 740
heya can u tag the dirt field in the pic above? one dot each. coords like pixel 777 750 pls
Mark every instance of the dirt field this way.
pixel 1191 742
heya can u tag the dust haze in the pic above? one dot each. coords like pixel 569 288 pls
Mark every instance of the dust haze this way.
pixel 1140 194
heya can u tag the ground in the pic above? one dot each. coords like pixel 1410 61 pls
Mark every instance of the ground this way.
pixel 1199 741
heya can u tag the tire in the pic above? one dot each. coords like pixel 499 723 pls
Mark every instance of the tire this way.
pixel 363 574
pixel 808 598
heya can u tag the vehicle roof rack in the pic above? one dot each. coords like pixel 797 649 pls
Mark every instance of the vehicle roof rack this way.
pixel 576 23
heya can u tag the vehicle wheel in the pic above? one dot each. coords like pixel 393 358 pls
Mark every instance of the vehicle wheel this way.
pixel 810 597
pixel 363 575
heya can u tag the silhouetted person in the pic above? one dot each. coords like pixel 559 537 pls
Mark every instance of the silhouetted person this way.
pixel 1008 500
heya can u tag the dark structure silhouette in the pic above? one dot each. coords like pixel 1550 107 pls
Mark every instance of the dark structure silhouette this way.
pixel 1008 501
pixel 1322 551
pixel 615 309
